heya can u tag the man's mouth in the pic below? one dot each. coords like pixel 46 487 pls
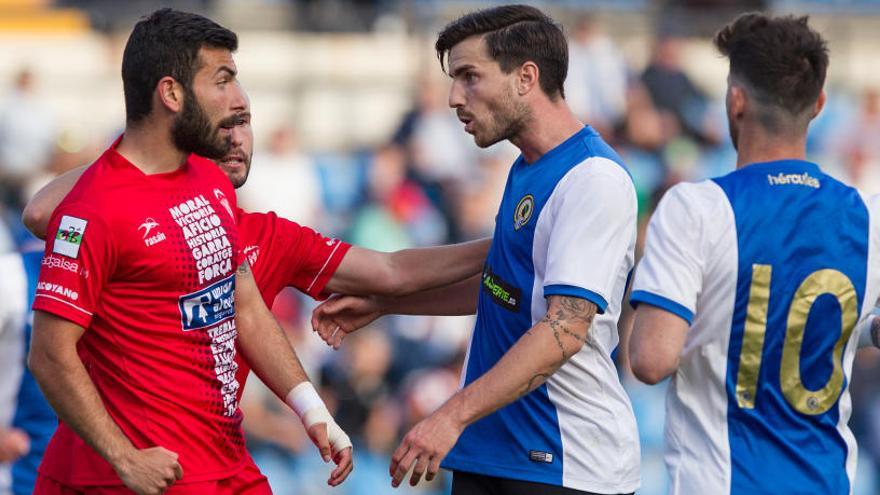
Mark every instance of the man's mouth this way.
pixel 233 161
pixel 468 122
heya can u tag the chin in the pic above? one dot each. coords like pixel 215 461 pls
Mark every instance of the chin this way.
pixel 486 142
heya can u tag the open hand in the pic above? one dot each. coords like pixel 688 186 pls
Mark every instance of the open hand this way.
pixel 424 446
pixel 340 315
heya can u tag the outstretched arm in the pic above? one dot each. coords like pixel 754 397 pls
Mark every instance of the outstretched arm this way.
pixel 539 353
pixel 39 209
pixel 368 272
pixel 341 315
pixel 266 348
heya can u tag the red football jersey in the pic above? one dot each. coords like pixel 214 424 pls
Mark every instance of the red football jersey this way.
pixel 146 263
pixel 285 254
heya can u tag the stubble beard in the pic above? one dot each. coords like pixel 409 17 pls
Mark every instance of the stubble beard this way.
pixel 509 119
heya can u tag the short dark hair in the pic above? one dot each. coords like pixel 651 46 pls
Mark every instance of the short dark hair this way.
pixel 166 43
pixel 781 61
pixel 514 34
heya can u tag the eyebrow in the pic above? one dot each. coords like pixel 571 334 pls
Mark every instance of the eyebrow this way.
pixel 463 68
pixel 225 68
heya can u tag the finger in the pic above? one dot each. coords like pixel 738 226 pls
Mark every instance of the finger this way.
pixel 419 470
pixel 318 433
pixel 316 317
pixel 398 454
pixel 169 453
pixel 178 471
pixel 343 467
pixel 321 322
pixel 403 467
pixel 338 338
pixel 433 468
pixel 325 334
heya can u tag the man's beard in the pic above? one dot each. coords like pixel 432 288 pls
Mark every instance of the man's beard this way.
pixel 509 118
pixel 193 133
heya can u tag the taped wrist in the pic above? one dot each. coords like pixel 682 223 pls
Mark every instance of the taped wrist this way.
pixel 307 404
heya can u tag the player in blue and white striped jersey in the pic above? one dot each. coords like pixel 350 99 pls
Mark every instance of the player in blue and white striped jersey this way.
pixel 753 285
pixel 541 411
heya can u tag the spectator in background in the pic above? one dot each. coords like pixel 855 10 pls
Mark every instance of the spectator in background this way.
pixel 286 181
pixel 33 415
pixel 358 379
pixel 398 214
pixel 596 85
pixel 672 91
pixel 14 443
pixel 27 137
pixel 440 157
pixel 862 146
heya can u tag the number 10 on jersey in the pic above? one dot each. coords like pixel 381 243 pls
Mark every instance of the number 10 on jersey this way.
pixel 820 282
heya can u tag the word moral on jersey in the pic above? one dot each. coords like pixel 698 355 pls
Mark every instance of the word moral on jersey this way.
pixel 205 236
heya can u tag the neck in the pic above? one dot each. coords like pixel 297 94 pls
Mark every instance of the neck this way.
pixel 551 123
pixel 756 145
pixel 149 147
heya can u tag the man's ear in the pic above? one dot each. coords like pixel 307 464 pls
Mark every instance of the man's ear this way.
pixel 528 77
pixel 170 94
pixel 737 101
pixel 820 104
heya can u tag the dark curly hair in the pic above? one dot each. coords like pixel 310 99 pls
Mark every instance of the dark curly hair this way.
pixel 514 34
pixel 781 61
pixel 166 43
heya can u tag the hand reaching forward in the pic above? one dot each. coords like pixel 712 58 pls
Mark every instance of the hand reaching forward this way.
pixel 340 315
pixel 424 446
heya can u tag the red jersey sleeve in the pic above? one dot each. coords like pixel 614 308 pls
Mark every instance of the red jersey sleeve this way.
pixel 316 257
pixel 78 258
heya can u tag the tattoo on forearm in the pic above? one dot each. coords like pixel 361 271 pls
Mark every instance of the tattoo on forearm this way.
pixel 571 318
pixel 572 312
pixel 534 382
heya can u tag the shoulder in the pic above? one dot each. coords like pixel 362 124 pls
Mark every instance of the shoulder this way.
pixel 596 171
pixel 268 227
pixel 597 179
pixel 696 197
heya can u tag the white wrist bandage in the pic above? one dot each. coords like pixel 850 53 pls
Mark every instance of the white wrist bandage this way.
pixel 307 404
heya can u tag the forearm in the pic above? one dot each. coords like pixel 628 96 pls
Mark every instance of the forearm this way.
pixel 366 272
pixel 263 343
pixel 71 393
pixel 459 298
pixel 428 268
pixel 536 356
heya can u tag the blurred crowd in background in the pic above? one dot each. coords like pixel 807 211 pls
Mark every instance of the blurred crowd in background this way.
pixel 419 180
